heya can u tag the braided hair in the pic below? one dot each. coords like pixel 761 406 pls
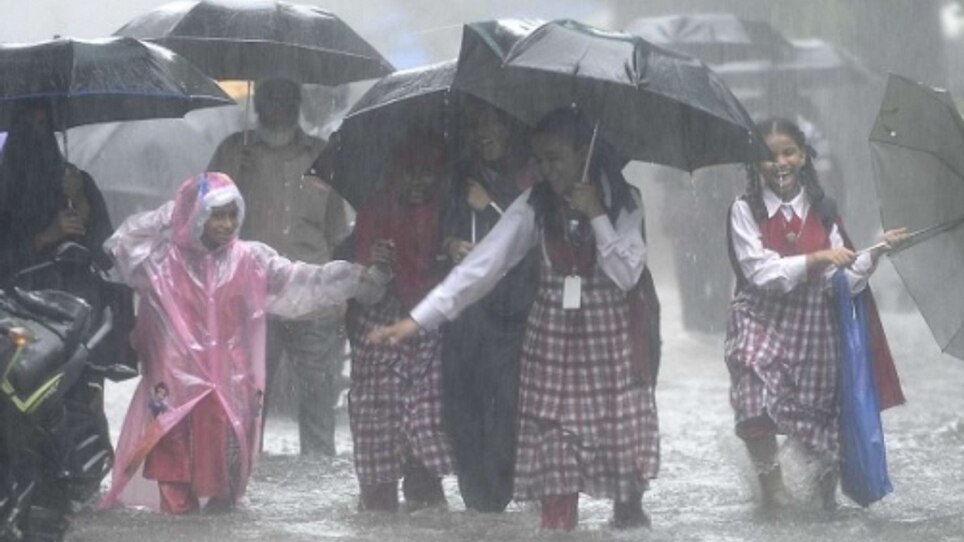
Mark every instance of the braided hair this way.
pixel 807 177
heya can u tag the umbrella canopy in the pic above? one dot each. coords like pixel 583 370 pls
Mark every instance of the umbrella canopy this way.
pixel 261 39
pixel 810 63
pixel 714 38
pixel 652 104
pixel 92 81
pixel 360 151
pixel 919 167
pixel 748 54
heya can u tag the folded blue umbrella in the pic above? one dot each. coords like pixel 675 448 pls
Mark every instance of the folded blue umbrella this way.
pixel 863 467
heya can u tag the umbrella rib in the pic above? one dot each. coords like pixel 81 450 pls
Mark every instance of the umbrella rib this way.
pixel 332 51
pixel 933 154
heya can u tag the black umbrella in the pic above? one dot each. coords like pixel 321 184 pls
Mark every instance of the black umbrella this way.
pixel 261 39
pixel 917 143
pixel 360 152
pixel 106 80
pixel 651 104
pixel 714 38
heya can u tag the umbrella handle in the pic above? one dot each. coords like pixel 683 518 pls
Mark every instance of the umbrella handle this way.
pixel 592 147
pixel 916 237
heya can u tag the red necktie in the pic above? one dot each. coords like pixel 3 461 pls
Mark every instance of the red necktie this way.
pixel 792 226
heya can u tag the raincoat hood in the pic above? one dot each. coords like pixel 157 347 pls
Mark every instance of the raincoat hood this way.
pixel 193 203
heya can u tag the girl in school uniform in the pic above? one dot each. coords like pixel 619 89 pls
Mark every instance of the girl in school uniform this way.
pixel 587 417
pixel 395 401
pixel 785 242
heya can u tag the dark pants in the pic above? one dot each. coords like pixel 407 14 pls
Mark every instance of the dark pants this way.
pixel 481 388
pixel 315 351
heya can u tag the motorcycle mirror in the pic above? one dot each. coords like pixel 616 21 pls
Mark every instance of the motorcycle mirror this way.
pixel 73 254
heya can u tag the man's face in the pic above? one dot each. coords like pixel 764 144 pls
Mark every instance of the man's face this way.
pixel 278 105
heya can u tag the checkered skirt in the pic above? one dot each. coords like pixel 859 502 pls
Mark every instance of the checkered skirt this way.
pixel 395 401
pixel 587 421
pixel 782 351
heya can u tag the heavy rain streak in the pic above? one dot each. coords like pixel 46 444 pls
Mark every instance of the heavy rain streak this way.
pixel 481 270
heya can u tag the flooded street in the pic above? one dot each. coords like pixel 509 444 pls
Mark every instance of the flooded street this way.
pixel 704 491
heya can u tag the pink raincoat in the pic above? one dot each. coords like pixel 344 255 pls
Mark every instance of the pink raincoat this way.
pixel 200 334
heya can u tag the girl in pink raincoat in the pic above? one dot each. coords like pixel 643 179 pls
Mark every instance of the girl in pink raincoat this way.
pixel 193 424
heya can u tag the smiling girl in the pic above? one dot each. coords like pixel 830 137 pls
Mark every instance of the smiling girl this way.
pixel 782 347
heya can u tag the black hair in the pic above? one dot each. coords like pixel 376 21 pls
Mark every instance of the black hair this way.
pixel 518 148
pixel 570 124
pixel 31 169
pixel 808 178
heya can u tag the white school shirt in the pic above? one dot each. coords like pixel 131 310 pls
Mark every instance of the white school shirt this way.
pixel 620 253
pixel 765 268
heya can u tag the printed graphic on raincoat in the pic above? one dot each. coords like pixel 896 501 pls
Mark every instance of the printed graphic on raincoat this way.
pixel 200 334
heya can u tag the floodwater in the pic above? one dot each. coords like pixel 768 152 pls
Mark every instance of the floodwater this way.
pixel 704 491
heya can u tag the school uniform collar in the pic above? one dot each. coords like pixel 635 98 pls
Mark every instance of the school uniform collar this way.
pixel 800 203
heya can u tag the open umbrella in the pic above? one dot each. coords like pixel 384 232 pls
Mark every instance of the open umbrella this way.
pixel 749 54
pixel 917 144
pixel 714 38
pixel 810 64
pixel 92 81
pixel 360 151
pixel 261 39
pixel 651 104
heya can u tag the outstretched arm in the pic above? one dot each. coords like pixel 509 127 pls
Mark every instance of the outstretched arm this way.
pixel 504 246
pixel 296 289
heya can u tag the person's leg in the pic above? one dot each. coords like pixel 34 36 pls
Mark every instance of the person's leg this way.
pixel 763 454
pixel 275 339
pixel 500 408
pixel 178 498
pixel 420 487
pixel 380 497
pixel 560 512
pixel 316 350
pixel 462 407
pixel 825 486
pixel 629 514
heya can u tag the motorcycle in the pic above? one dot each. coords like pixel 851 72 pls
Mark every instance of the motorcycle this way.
pixel 57 346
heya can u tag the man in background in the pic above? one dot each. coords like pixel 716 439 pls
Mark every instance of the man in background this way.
pixel 302 218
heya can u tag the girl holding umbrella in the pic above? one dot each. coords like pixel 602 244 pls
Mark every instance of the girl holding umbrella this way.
pixel 587 417
pixel 782 344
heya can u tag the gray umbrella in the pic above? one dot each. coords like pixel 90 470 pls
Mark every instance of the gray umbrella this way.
pixel 714 38
pixel 917 144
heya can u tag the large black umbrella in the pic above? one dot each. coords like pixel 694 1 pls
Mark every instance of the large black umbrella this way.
pixel 918 152
pixel 92 81
pixel 261 39
pixel 651 104
pixel 360 152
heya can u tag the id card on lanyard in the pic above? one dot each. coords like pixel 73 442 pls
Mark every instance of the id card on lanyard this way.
pixel 571 285
pixel 572 292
